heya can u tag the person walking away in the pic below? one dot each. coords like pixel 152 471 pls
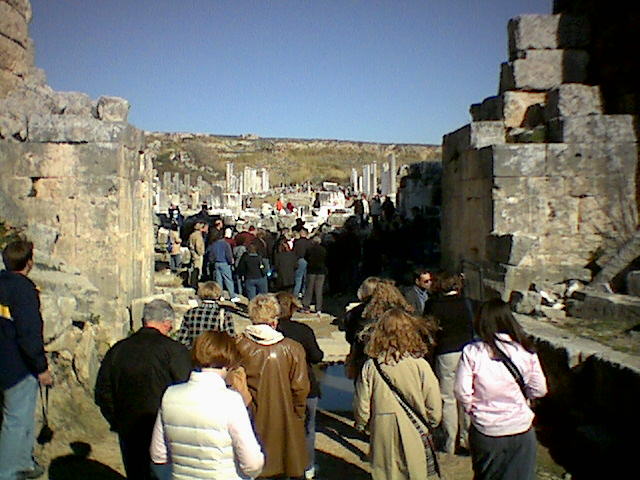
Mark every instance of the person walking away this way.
pixel 175 242
pixel 418 293
pixel 495 379
pixel 300 246
pixel 304 335
pixel 316 258
pixel 385 295
pixel 220 255
pixel 188 434
pixel 454 313
pixel 23 364
pixel 132 378
pixel 396 349
pixel 197 249
pixel 285 262
pixel 206 316
pixel 252 270
pixel 277 378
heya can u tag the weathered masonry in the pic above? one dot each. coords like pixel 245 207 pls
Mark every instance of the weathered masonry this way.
pixel 542 182
pixel 76 181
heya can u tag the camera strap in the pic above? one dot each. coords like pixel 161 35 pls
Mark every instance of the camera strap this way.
pixel 44 399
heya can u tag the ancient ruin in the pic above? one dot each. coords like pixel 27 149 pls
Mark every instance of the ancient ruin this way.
pixel 76 181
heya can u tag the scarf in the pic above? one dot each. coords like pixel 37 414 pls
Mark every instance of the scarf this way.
pixel 263 334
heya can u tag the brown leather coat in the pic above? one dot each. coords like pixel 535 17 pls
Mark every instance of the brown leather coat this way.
pixel 278 381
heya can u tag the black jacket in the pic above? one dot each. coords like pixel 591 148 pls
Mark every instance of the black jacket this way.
pixel 303 334
pixel 285 264
pixel 21 342
pixel 455 317
pixel 133 376
pixel 316 257
pixel 251 266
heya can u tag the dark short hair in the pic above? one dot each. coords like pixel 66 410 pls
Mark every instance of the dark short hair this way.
pixel 214 349
pixel 418 272
pixel 17 254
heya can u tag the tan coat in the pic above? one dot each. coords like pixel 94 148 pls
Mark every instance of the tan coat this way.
pixel 196 247
pixel 278 381
pixel 396 451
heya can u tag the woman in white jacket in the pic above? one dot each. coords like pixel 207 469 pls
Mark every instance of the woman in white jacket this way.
pixel 502 439
pixel 203 430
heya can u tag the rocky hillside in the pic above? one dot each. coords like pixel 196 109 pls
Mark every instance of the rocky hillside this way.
pixel 288 160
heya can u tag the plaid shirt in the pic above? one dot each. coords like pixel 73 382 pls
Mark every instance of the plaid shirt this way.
pixel 207 316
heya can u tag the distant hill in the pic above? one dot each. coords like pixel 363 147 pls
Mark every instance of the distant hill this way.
pixel 287 160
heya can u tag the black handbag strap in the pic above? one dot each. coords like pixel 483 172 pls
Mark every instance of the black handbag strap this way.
pixel 513 370
pixel 44 399
pixel 406 405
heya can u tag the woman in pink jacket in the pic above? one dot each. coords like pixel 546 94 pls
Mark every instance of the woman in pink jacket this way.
pixel 495 379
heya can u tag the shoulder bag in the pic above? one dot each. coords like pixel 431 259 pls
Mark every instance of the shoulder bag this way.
pixel 513 370
pixel 419 422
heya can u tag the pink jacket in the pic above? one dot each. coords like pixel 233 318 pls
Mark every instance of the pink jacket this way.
pixel 490 394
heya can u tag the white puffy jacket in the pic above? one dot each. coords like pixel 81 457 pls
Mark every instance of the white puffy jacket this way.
pixel 207 431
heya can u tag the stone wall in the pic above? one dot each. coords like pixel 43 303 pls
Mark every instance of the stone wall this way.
pixel 76 181
pixel 614 30
pixel 543 181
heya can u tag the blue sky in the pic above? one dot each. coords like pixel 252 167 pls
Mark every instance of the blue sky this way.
pixel 402 71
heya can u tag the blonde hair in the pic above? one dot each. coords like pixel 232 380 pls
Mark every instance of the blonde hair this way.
pixel 398 334
pixel 209 291
pixel 366 288
pixel 385 296
pixel 264 308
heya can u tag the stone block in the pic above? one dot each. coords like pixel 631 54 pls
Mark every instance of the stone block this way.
pixel 12 24
pixel 592 128
pixel 9 81
pixel 527 135
pixel 509 249
pixel 525 302
pixel 544 70
pixel 113 109
pixel 551 313
pixel 546 32
pixel 473 135
pixel 580 162
pixel 519 107
pixel 13 126
pixel 633 283
pixel 75 103
pixel 572 99
pixel 13 57
pixel 85 361
pixel 514 160
pixel 81 129
pixel 137 307
pixel 489 110
pixel 23 7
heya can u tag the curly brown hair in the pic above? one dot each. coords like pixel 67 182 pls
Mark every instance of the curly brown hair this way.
pixel 398 334
pixel 385 296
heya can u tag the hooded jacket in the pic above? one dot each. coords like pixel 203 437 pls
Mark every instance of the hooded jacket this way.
pixel 21 340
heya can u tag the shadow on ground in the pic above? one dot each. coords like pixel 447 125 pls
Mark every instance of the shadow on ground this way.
pixel 341 432
pixel 331 467
pixel 77 466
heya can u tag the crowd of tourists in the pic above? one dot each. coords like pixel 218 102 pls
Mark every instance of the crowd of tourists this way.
pixel 433 373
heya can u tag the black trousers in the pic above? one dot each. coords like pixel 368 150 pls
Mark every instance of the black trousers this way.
pixel 511 457
pixel 136 458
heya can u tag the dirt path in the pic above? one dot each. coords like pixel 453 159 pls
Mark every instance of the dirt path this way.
pixel 341 454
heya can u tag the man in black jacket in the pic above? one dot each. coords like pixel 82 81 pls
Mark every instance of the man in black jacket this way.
pixel 133 376
pixel 22 362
